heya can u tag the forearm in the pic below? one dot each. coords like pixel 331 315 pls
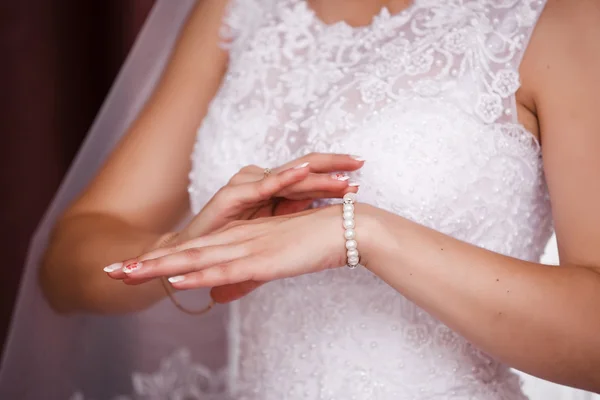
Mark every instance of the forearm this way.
pixel 72 275
pixel 543 320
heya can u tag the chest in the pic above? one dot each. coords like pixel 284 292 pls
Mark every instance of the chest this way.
pixel 291 67
pixel 426 96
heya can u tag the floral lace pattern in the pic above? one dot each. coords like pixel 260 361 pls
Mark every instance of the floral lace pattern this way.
pixel 177 379
pixel 427 96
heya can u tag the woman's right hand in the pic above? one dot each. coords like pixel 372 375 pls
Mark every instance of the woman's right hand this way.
pixel 251 194
pixel 290 188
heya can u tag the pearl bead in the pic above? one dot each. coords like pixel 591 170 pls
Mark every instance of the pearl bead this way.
pixel 353 260
pixel 348 215
pixel 351 244
pixel 352 253
pixel 348 208
pixel 350 234
pixel 350 197
pixel 348 224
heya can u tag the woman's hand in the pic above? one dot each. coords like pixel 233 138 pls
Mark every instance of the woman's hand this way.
pixel 245 254
pixel 288 189
pixel 250 194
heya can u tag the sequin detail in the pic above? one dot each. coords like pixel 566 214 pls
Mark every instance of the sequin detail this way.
pixel 428 97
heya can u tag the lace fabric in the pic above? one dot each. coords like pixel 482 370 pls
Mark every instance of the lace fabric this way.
pixel 178 378
pixel 427 96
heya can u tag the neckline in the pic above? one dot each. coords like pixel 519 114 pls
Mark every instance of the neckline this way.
pixel 383 14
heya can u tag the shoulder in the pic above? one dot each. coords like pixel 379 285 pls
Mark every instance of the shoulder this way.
pixel 568 24
pixel 564 50
pixel 560 69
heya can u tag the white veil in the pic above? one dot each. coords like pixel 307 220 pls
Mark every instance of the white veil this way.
pixel 146 355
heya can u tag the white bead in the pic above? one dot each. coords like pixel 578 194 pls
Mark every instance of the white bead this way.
pixel 350 197
pixel 351 244
pixel 350 233
pixel 352 253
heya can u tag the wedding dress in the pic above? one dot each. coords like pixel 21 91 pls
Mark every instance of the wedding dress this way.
pixel 427 97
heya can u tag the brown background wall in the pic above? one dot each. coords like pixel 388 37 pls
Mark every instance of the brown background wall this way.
pixel 57 61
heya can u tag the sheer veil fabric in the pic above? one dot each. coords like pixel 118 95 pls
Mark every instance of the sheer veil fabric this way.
pixel 48 356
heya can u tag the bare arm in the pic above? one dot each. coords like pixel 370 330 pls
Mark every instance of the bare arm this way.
pixel 541 319
pixel 140 193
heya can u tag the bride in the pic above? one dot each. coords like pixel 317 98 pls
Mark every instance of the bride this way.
pixel 438 114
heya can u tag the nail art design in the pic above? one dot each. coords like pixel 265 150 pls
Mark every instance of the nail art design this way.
pixel 301 165
pixel 354 184
pixel 340 177
pixel 175 279
pixel 113 267
pixel 134 266
pixel 357 158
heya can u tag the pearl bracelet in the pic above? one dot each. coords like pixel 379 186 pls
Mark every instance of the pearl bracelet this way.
pixel 350 233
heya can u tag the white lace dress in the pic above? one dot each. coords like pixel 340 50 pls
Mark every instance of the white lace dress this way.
pixel 427 97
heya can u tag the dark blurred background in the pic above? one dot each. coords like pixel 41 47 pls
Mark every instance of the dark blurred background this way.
pixel 58 60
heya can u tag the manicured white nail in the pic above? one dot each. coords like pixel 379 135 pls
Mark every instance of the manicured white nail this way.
pixel 175 279
pixel 129 268
pixel 354 184
pixel 340 177
pixel 357 158
pixel 113 267
pixel 301 165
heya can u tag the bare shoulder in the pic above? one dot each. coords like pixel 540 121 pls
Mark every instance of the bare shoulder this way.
pixel 564 51
pixel 560 77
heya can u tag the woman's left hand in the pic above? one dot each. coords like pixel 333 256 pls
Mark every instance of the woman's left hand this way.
pixel 245 254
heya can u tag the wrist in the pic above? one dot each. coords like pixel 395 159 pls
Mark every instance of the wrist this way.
pixel 369 231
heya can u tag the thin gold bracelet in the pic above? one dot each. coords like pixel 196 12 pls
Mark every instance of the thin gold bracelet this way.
pixel 177 304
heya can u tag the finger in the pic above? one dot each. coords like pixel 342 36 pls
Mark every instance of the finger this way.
pixel 261 190
pixel 316 182
pixel 115 271
pixel 189 260
pixel 230 273
pixel 249 173
pixel 134 282
pixel 315 195
pixel 228 293
pixel 325 195
pixel 327 162
pixel 238 231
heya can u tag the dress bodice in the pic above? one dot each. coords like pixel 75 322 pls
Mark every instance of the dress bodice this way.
pixel 427 97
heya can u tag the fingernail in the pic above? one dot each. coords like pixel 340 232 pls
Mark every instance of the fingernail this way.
pixel 175 279
pixel 357 158
pixel 340 177
pixel 113 267
pixel 129 268
pixel 354 184
pixel 301 165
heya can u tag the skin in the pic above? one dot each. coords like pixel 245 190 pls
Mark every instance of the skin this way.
pixel 540 319
pixel 108 224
